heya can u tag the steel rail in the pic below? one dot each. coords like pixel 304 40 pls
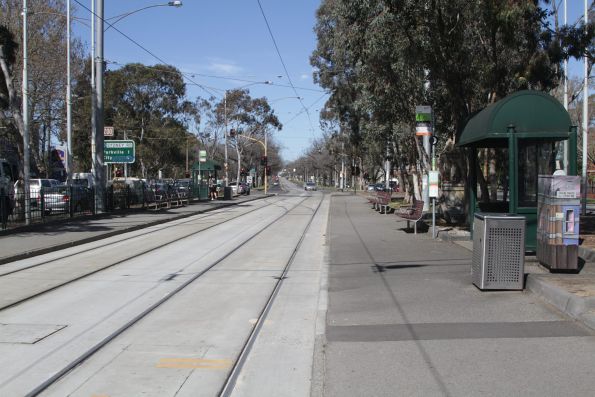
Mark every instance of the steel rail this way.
pixel 135 255
pixel 94 349
pixel 233 375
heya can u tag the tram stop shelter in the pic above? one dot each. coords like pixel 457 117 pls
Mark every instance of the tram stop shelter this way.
pixel 201 172
pixel 510 143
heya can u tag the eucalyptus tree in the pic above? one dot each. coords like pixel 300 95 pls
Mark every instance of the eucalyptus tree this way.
pixel 380 58
pixel 149 104
pixel 46 68
pixel 250 119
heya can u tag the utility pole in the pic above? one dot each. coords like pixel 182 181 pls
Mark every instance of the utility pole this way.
pixel 68 100
pixel 93 99
pixel 566 143
pixel 585 120
pixel 25 88
pixel 99 171
pixel 387 168
pixel 225 132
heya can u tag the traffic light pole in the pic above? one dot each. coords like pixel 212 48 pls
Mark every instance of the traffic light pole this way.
pixel 264 145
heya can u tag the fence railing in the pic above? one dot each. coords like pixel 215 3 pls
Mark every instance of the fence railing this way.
pixel 61 202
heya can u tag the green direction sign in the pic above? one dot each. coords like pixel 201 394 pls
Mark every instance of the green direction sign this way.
pixel 118 152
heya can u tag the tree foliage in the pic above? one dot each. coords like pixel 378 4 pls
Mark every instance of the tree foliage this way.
pixel 381 58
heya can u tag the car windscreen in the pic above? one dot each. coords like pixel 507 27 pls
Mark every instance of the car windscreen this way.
pixel 46 183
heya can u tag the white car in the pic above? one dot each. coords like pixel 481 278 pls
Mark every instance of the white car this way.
pixel 310 186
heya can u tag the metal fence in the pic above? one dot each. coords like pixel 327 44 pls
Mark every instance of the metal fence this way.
pixel 62 202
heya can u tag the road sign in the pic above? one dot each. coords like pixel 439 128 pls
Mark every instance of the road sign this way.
pixel 423 120
pixel 202 156
pixel 108 131
pixel 118 152
pixel 249 180
pixel 434 178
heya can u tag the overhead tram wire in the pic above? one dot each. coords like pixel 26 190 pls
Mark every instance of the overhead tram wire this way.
pixel 141 46
pixel 309 107
pixel 285 67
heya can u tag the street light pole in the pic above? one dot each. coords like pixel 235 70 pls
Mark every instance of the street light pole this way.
pixel 25 94
pixel 68 100
pixel 99 171
pixel 225 132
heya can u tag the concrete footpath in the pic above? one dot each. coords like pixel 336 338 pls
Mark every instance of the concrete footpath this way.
pixel 571 293
pixel 405 319
pixel 42 238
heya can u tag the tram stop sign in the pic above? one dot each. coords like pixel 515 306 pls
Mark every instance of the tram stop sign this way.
pixel 118 152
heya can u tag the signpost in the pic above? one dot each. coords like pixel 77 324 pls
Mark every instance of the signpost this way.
pixel 202 158
pixel 118 152
pixel 108 131
pixel 423 120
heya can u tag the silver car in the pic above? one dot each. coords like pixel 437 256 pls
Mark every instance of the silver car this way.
pixel 310 186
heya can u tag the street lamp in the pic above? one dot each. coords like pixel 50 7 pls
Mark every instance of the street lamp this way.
pixel 97 121
pixel 118 18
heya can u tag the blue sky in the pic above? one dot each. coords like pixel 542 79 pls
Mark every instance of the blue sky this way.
pixel 229 39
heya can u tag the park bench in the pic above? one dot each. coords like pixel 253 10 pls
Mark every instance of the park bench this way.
pixel 413 213
pixel 382 201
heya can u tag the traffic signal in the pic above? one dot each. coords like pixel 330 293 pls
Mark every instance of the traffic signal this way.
pixel 232 133
pixel 263 160
pixel 268 169
pixel 243 172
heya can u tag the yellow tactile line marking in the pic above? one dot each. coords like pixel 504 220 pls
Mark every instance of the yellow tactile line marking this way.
pixel 198 363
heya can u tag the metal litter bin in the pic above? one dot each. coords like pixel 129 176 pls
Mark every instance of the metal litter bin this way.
pixel 498 251
pixel 227 193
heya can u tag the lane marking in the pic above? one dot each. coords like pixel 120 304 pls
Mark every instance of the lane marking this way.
pixel 194 363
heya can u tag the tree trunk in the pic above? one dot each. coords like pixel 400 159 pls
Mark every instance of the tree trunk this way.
pixel 14 103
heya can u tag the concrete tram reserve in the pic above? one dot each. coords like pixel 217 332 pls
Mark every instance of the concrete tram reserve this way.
pixel 295 294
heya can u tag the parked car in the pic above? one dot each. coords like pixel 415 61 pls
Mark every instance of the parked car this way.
pixel 237 189
pixel 62 198
pixel 380 187
pixel 35 186
pixel 84 179
pixel 310 186
pixel 127 191
pixel 371 188
pixel 183 187
pixel 246 187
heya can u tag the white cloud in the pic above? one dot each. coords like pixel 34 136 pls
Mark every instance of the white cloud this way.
pixel 222 66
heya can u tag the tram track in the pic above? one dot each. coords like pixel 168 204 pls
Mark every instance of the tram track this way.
pixel 231 379
pixel 171 224
pixel 113 335
pixel 113 264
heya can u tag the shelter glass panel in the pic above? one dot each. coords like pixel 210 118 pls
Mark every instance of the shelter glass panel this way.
pixel 493 191
pixel 535 158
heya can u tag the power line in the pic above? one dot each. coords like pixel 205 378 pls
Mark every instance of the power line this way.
pixel 309 107
pixel 193 74
pixel 141 46
pixel 285 67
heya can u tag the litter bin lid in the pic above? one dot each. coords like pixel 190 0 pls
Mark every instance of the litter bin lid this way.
pixel 498 215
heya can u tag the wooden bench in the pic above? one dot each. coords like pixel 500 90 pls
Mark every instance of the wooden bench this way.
pixel 412 213
pixel 383 200
pixel 379 199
